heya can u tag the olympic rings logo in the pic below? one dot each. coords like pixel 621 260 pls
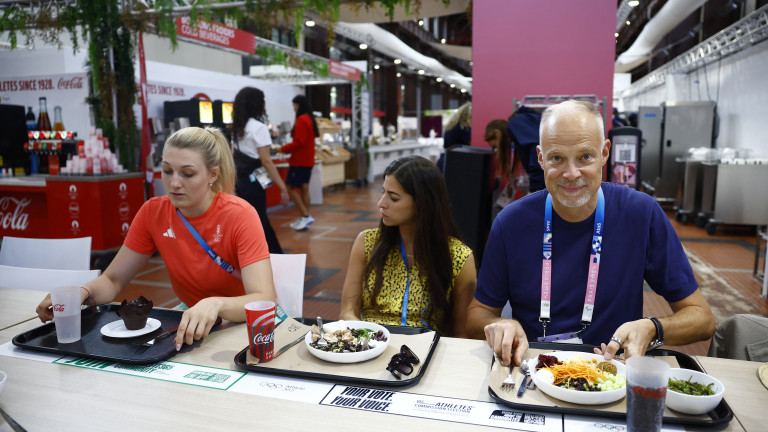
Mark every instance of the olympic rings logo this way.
pixel 271 385
pixel 609 427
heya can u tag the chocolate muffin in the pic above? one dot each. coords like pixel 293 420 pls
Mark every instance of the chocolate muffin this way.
pixel 135 313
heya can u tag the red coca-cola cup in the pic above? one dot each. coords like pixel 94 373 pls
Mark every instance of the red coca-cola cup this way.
pixel 260 317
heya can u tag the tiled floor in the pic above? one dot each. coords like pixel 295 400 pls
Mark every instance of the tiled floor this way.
pixel 723 263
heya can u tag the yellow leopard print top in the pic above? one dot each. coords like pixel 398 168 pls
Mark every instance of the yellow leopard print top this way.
pixel 390 299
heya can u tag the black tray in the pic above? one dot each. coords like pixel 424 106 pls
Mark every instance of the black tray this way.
pixel 93 344
pixel 240 361
pixel 720 416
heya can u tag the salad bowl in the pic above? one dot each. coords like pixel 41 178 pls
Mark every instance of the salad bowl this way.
pixel 377 347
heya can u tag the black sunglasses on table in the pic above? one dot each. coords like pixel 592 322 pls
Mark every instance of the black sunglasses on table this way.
pixel 402 362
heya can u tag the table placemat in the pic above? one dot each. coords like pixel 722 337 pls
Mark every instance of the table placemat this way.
pixel 536 399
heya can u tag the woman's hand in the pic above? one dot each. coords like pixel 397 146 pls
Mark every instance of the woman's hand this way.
pixel 44 309
pixel 197 321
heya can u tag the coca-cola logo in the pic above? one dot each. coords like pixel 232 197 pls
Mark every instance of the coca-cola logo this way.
pixel 646 393
pixel 69 84
pixel 259 338
pixel 74 209
pixel 124 209
pixel 12 214
pixel 58 307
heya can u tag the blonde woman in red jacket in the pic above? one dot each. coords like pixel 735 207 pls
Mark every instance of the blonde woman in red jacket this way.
pixel 302 151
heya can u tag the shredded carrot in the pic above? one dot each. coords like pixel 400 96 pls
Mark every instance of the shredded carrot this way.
pixel 576 368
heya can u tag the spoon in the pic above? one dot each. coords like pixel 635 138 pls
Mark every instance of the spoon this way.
pixel 527 379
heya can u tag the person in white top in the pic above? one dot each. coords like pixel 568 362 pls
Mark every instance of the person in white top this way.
pixel 251 144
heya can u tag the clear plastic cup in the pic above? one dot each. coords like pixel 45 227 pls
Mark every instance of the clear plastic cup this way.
pixel 66 302
pixel 647 380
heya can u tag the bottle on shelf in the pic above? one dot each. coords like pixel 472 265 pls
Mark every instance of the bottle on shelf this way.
pixel 58 124
pixel 43 122
pixel 31 120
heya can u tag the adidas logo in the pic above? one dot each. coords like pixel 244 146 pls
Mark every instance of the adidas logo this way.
pixel 169 233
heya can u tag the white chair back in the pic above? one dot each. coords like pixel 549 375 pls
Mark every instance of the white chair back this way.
pixel 43 279
pixel 56 254
pixel 288 276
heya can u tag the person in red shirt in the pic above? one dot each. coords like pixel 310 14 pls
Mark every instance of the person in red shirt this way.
pixel 302 151
pixel 199 176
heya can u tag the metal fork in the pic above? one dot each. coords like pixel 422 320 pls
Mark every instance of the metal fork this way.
pixel 509 381
pixel 145 346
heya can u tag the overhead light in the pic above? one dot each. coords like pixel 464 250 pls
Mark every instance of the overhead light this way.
pixel 363 46
pixel 397 61
pixel 421 22
pixel 309 23
pixel 421 71
pixel 376 67
pixel 442 41
pixel 471 63
pixel 453 85
pixel 463 90
pixel 615 35
pixel 399 75
pixel 438 79
pixel 627 22
pixel 633 3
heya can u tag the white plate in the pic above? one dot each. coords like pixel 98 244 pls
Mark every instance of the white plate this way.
pixel 116 329
pixel 352 357
pixel 581 397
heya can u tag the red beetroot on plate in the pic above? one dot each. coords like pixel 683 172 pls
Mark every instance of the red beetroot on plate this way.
pixel 547 361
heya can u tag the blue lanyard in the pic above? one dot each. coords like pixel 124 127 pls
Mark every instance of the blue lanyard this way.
pixel 594 262
pixel 229 268
pixel 404 313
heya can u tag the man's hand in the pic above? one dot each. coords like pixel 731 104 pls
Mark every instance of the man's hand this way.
pixel 634 336
pixel 507 339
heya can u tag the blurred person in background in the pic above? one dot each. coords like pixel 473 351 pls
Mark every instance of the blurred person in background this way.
pixel 251 142
pixel 302 150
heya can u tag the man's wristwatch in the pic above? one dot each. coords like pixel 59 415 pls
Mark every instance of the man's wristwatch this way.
pixel 659 341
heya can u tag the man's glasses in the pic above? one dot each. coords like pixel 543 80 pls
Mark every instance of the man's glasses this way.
pixel 402 362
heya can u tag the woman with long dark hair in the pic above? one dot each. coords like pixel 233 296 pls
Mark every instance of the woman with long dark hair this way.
pixel 251 143
pixel 412 270
pixel 302 150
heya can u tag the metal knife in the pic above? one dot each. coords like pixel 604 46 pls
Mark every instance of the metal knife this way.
pixel 12 423
pixel 283 349
pixel 288 345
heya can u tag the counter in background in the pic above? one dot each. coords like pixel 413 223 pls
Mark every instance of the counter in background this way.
pixel 67 206
pixel 382 155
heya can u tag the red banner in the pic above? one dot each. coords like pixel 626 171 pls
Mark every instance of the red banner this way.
pixel 216 33
pixel 343 70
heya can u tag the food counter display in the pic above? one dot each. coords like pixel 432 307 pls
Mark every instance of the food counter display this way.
pixel 67 206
